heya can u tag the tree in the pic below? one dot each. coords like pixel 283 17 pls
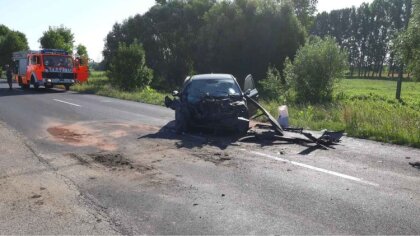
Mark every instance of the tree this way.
pixel 170 39
pixel 182 37
pixel 10 41
pixel 246 36
pixel 81 50
pixel 305 11
pixel 128 69
pixel 168 33
pixel 58 38
pixel 367 33
pixel 316 68
pixel 408 43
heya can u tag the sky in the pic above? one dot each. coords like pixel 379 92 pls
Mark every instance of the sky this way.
pixel 90 20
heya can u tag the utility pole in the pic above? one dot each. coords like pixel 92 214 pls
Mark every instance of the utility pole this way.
pixel 399 83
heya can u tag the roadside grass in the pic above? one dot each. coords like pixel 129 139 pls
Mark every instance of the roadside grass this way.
pixel 362 108
pixel 99 84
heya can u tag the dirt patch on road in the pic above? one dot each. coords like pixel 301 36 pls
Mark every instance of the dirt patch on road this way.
pixel 112 160
pixel 81 136
pixel 66 134
pixel 103 135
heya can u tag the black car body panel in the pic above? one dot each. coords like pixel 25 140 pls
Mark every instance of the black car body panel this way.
pixel 213 101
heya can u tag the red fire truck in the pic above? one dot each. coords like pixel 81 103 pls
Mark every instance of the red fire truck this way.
pixel 49 67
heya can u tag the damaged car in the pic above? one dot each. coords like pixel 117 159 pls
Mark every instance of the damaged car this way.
pixel 213 101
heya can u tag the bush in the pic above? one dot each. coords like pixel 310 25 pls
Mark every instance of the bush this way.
pixel 274 86
pixel 128 70
pixel 316 68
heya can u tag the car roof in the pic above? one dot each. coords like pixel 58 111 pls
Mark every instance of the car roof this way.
pixel 212 76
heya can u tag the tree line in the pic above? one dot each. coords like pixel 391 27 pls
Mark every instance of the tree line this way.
pixel 369 34
pixel 176 38
pixel 208 36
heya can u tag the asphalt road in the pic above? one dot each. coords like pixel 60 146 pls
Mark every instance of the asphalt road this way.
pixel 135 176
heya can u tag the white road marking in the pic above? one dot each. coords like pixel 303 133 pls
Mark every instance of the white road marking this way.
pixel 69 103
pixel 344 176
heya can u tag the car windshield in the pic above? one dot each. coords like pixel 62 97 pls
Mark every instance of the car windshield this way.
pixel 58 61
pixel 198 89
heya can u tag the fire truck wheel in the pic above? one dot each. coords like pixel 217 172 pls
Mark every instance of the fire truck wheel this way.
pixel 67 87
pixel 36 86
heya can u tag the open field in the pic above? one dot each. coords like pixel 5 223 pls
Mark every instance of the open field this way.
pixel 363 108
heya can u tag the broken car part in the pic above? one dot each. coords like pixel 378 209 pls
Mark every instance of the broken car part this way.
pixel 212 101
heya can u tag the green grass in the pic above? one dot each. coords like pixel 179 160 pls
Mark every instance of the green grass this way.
pixel 363 108
pixel 99 84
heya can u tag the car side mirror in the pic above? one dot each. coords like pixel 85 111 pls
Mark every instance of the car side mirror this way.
pixel 175 93
pixel 168 102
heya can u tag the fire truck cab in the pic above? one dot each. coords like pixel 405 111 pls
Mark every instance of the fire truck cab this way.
pixel 48 67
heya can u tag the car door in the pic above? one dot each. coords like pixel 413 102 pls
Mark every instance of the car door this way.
pixel 251 92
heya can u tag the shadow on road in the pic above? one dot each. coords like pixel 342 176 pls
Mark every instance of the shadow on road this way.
pixel 201 138
pixel 17 91
pixel 194 139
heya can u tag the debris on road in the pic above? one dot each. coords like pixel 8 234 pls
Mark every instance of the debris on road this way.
pixel 214 157
pixel 325 141
pixel 415 164
pixel 114 161
pixel 110 159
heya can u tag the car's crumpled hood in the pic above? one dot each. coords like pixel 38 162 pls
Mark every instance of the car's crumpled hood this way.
pixel 213 109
